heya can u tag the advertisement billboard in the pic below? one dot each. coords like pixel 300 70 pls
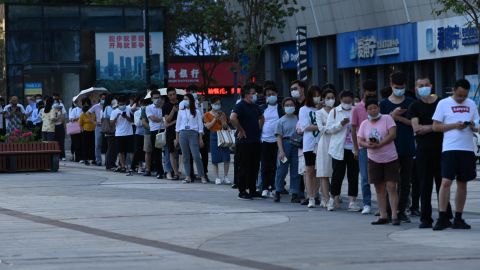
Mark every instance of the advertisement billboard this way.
pixel 446 38
pixel 121 63
pixel 377 46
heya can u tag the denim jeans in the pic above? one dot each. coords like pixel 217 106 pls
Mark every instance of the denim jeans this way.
pixel 291 153
pixel 189 145
pixel 363 164
pixel 167 166
pixel 98 144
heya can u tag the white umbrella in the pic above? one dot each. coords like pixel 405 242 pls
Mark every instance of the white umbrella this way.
pixel 163 91
pixel 91 90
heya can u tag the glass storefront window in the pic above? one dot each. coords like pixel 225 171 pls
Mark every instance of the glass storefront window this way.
pixel 24 47
pixel 102 18
pixel 62 46
pixel 24 17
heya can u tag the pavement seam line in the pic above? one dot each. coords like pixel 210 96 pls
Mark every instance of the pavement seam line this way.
pixel 209 255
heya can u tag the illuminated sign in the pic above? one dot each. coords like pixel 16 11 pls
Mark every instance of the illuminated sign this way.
pixel 223 91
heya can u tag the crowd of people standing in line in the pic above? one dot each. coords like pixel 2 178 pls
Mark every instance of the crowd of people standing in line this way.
pixel 402 144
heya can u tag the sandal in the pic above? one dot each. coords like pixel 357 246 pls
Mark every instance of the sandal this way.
pixel 187 181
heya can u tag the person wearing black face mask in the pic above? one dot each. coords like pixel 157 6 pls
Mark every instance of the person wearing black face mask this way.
pixel 87 125
pixel 60 123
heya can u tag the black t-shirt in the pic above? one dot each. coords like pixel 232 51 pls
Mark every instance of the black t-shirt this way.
pixel 424 112
pixel 166 109
pixel 248 116
pixel 298 105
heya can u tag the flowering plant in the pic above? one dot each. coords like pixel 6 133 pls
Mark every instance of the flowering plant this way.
pixel 19 136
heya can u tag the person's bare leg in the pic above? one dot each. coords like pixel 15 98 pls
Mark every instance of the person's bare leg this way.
pixel 121 158
pixel 444 194
pixel 382 200
pixel 393 197
pixel 148 161
pixel 309 181
pixel 461 196
pixel 173 161
pixel 325 183
pixel 215 169
pixel 226 167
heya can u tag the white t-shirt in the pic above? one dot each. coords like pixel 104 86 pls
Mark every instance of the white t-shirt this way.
pixel 1 117
pixel 63 111
pixel 152 110
pixel 270 125
pixel 122 127
pixel 306 117
pixel 74 113
pixel 449 112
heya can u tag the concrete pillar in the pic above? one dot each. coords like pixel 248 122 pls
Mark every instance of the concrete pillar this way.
pixel 331 60
pixel 316 65
pixel 459 74
pixel 358 87
pixel 438 82
pixel 347 78
pixel 270 63
pixel 380 78
pixel 417 70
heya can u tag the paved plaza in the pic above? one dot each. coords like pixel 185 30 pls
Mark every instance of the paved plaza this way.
pixel 87 218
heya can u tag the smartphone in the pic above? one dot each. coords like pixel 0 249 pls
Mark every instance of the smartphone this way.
pixel 284 159
pixel 467 123
pixel 373 140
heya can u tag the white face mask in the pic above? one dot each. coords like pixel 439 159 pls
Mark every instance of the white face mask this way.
pixel 184 104
pixel 122 107
pixel 216 107
pixel 329 102
pixel 346 106
pixel 295 93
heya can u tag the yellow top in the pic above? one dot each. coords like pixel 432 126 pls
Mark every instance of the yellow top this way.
pixel 87 121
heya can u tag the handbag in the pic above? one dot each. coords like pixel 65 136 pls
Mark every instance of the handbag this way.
pixel 107 127
pixel 225 138
pixel 73 128
pixel 297 140
pixel 160 139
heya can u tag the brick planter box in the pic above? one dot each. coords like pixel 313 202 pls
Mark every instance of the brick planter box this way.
pixel 24 157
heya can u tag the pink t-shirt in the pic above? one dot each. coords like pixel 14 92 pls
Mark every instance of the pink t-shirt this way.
pixel 379 130
pixel 359 114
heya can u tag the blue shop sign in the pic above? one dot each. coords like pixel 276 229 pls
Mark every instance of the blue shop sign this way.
pixel 377 46
pixel 289 55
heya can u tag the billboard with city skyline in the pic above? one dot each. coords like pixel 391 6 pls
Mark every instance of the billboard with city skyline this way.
pixel 120 60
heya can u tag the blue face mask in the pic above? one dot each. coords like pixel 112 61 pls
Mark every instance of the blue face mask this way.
pixel 289 110
pixel 254 98
pixel 271 100
pixel 424 91
pixel 399 92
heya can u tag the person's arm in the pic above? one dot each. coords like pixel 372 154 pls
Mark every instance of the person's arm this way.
pixel 441 127
pixel 281 151
pixel 332 126
pixel 355 140
pixel 209 124
pixel 171 116
pixel 114 118
pixel 238 127
pixel 261 121
pixel 397 116
pixel 363 143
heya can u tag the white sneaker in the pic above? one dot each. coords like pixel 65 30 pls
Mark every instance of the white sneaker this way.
pixel 218 181
pixel 324 204
pixel 272 194
pixel 311 203
pixel 366 210
pixel 354 207
pixel 227 181
pixel 265 193
pixel 331 204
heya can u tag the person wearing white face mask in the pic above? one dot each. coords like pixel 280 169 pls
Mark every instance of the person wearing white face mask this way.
pixel 397 105
pixel 323 161
pixel 216 120
pixel 122 118
pixel 308 125
pixel 429 148
pixel 156 123
pixel 272 111
pixel 297 91
pixel 341 151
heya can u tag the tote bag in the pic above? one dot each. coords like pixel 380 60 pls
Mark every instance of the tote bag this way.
pixel 73 128
pixel 160 139
pixel 225 138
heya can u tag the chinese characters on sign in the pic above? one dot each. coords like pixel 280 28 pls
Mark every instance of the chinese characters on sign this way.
pixel 368 47
pixel 449 37
pixel 222 91
pixel 183 73
pixel 130 41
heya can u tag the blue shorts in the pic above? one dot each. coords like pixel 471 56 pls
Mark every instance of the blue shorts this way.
pixel 460 165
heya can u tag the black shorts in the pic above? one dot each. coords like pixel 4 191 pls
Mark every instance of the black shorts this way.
pixel 460 165
pixel 309 158
pixel 125 144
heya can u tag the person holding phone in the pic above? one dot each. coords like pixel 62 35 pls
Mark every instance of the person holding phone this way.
pixel 341 151
pixel 376 134
pixel 122 118
pixel 396 105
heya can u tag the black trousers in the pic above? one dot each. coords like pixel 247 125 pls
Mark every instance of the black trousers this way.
pixel 156 155
pixel 269 165
pixel 428 163
pixel 88 145
pixel 111 155
pixel 350 164
pixel 76 147
pixel 235 166
pixel 248 166
pixel 60 138
pixel 415 187
pixel 139 155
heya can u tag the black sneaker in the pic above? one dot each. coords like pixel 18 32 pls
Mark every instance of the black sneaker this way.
pixel 257 195
pixel 317 201
pixel 403 217
pixel 277 197
pixel 295 199
pixel 380 221
pixel 414 213
pixel 284 192
pixel 460 224
pixel 234 186
pixel 395 222
pixel 304 202
pixel 442 225
pixel 147 173
pixel 244 196
pixel 425 225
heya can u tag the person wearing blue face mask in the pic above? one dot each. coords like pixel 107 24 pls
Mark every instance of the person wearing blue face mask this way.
pixel 272 111
pixel 429 149
pixel 247 119
pixel 397 105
